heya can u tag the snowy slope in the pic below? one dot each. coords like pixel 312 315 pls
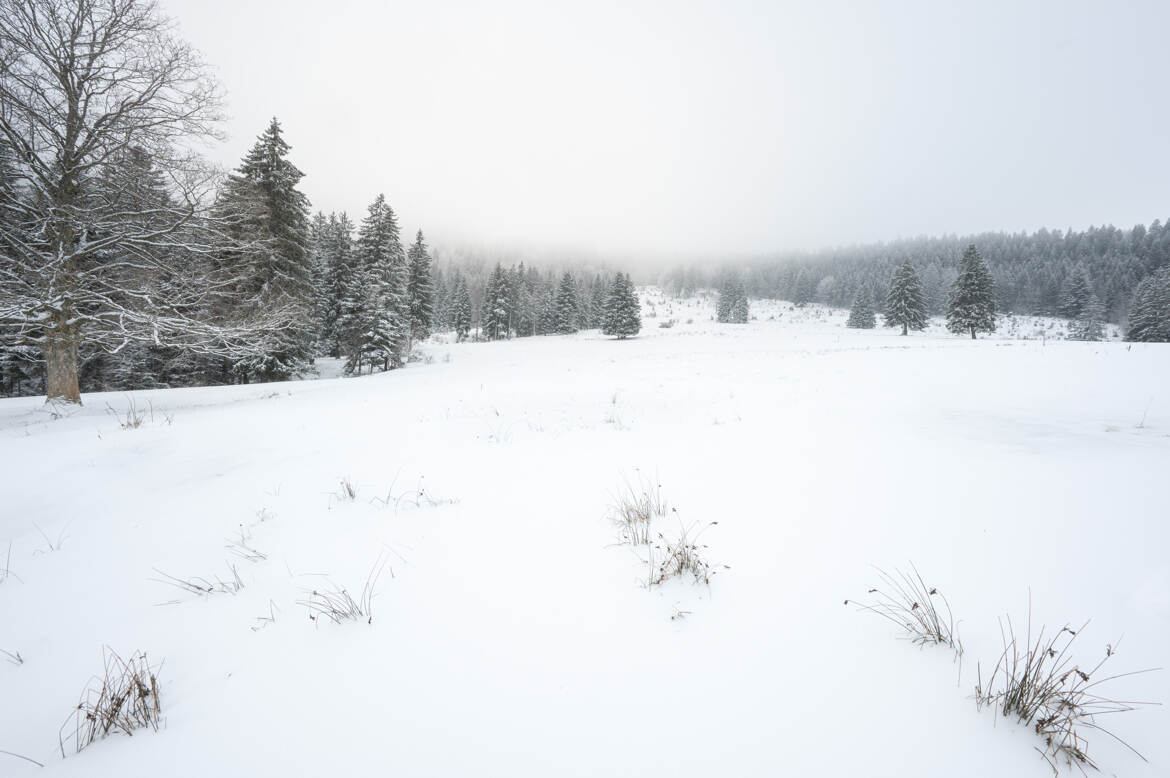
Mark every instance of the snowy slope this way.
pixel 515 636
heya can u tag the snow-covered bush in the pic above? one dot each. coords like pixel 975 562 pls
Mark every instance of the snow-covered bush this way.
pixel 123 699
pixel 905 599
pixel 335 603
pixel 635 506
pixel 1038 684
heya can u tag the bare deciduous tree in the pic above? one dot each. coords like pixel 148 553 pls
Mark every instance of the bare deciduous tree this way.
pixel 97 96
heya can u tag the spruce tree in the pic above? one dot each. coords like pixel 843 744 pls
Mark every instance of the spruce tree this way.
pixel 374 319
pixel 420 290
pixel 971 307
pixel 740 311
pixel 1091 323
pixel 494 314
pixel 460 307
pixel 622 316
pixel 599 296
pixel 732 306
pixel 905 304
pixel 277 272
pixel 861 315
pixel 340 267
pixel 566 306
pixel 1075 294
pixel 1149 316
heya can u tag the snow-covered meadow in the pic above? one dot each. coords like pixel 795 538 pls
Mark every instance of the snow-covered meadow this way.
pixel 513 635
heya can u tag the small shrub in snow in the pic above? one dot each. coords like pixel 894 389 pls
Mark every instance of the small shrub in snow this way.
pixel 124 699
pixel 635 506
pixel 906 600
pixel 681 557
pixel 335 603
pixel 1037 683
pixel 134 417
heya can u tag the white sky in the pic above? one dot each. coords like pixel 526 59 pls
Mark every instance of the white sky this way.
pixel 704 128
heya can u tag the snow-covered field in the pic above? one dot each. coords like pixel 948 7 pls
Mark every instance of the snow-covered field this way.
pixel 512 635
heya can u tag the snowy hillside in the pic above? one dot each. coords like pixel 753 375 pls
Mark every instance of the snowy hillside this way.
pixel 513 633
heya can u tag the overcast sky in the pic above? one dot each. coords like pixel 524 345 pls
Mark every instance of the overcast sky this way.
pixel 697 128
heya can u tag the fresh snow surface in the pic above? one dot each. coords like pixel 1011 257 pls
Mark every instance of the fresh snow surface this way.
pixel 513 636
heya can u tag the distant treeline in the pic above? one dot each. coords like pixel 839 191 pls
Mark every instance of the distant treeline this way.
pixel 1032 272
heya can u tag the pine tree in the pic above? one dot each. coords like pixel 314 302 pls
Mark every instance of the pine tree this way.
pixel 319 259
pixel 861 315
pixel 420 290
pixel 374 324
pixel 460 308
pixel 566 306
pixel 622 316
pixel 599 295
pixel 1075 294
pixel 340 268
pixel 740 310
pixel 971 307
pixel 905 304
pixel 1091 323
pixel 277 272
pixel 732 306
pixel 1149 316
pixel 494 314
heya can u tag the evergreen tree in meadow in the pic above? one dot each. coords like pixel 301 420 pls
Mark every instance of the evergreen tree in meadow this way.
pixel 622 315
pixel 905 305
pixel 1091 323
pixel 374 320
pixel 1149 316
pixel 599 296
pixel 494 313
pixel 566 306
pixel 732 306
pixel 275 270
pixel 861 315
pixel 460 311
pixel 420 290
pixel 338 257
pixel 971 307
pixel 1075 294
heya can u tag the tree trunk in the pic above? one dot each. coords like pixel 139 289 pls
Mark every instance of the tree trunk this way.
pixel 61 361
pixel 905 329
pixel 972 333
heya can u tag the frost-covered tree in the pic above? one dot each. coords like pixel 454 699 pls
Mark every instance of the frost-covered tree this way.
pixel 270 260
pixel 1090 325
pixel 861 315
pixel 494 313
pixel 905 305
pixel 1149 316
pixel 336 247
pixel 1075 294
pixel 622 316
pixel 971 307
pixel 373 323
pixel 598 296
pixel 81 83
pixel 566 306
pixel 460 307
pixel 420 290
pixel 732 306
